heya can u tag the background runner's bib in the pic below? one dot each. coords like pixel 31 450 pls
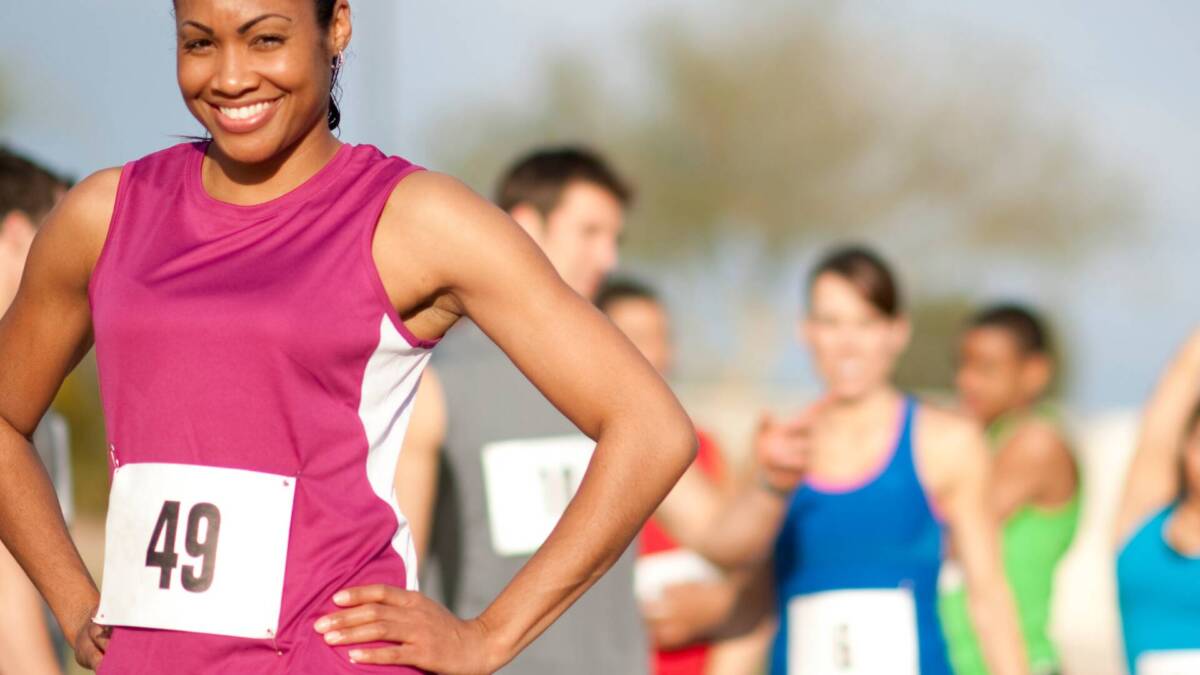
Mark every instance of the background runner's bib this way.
pixel 1181 662
pixel 196 548
pixel 654 572
pixel 528 484
pixel 853 632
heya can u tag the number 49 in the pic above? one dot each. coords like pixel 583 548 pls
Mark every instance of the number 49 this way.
pixel 166 559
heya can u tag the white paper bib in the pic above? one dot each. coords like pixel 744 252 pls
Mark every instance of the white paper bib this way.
pixel 196 548
pixel 1177 662
pixel 853 632
pixel 653 573
pixel 528 484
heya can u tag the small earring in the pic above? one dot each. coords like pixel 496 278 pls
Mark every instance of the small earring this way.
pixel 339 60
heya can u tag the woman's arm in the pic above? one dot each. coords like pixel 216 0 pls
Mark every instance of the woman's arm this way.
pixel 953 457
pixel 42 337
pixel 465 257
pixel 1154 475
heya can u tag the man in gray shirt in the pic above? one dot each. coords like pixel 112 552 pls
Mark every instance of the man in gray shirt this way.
pixel 30 643
pixel 488 464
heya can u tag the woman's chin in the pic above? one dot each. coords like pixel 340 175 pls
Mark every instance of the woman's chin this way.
pixel 848 392
pixel 245 149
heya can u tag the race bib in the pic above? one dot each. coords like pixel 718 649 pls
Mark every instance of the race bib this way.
pixel 653 573
pixel 196 548
pixel 853 632
pixel 528 484
pixel 1179 662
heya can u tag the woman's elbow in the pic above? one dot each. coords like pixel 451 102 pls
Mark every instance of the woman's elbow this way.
pixel 676 443
pixel 680 442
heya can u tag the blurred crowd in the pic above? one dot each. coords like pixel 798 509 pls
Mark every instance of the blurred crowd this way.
pixel 868 532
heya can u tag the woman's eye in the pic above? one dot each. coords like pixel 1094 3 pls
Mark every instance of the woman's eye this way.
pixel 268 41
pixel 197 44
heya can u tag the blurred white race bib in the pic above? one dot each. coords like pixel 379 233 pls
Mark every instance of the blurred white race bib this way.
pixel 1180 662
pixel 529 483
pixel 653 573
pixel 196 548
pixel 853 632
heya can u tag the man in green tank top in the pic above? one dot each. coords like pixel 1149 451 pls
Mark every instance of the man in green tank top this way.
pixel 1005 367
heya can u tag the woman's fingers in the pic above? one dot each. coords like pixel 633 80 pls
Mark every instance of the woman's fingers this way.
pixel 91 644
pixel 355 616
pixel 393 655
pixel 375 593
pixel 100 636
pixel 376 631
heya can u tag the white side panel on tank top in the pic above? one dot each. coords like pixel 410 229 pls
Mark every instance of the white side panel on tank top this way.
pixel 388 386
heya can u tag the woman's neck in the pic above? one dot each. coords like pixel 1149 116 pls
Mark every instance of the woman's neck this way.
pixel 229 180
pixel 863 411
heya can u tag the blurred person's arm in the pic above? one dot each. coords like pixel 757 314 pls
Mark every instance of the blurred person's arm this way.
pixel 25 644
pixel 746 654
pixel 417 468
pixel 1033 466
pixel 691 508
pixel 953 458
pixel 689 612
pixel 42 337
pixel 744 644
pixel 742 530
pixel 1155 473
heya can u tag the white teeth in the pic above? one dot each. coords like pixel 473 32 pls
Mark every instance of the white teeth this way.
pixel 245 112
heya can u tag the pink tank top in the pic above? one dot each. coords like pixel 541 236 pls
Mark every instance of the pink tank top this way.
pixel 261 338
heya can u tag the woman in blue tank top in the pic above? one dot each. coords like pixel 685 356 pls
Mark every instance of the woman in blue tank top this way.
pixel 1158 567
pixel 853 496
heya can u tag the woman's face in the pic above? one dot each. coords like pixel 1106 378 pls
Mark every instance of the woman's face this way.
pixel 854 346
pixel 257 73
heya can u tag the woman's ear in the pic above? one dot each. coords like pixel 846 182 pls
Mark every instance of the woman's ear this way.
pixel 341 28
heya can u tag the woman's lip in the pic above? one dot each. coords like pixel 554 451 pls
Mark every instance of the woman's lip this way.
pixel 249 124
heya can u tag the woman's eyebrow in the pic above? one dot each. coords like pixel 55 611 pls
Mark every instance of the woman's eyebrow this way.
pixel 250 24
pixel 198 25
pixel 241 29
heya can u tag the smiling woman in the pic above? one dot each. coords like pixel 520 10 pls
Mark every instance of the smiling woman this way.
pixel 262 306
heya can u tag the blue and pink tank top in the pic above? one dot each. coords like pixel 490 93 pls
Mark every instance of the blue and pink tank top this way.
pixel 257 338
pixel 858 565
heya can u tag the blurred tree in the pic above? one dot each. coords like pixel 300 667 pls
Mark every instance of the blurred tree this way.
pixel 791 129
pixel 793 125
